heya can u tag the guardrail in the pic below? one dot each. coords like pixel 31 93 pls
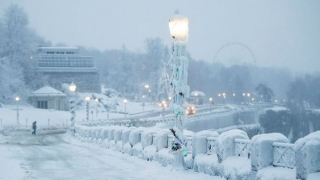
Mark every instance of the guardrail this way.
pixel 283 155
pixel 242 147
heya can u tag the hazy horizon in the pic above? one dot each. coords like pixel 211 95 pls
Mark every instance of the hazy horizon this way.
pixel 279 34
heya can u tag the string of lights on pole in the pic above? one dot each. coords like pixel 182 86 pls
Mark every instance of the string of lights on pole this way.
pixel 178 64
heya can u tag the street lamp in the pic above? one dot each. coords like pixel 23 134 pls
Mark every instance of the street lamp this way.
pixel 72 88
pixel 149 90
pixel 87 105
pixel 125 108
pixel 143 103
pixel 97 101
pixel 210 99
pixel 178 64
pixel 196 94
pixel 18 99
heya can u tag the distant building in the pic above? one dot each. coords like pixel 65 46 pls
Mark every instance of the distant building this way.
pixel 197 97
pixel 66 65
pixel 48 98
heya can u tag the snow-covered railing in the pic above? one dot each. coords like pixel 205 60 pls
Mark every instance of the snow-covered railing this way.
pixel 268 150
pixel 171 141
pixel 211 145
pixel 283 155
pixel 154 139
pixel 189 144
pixel 242 147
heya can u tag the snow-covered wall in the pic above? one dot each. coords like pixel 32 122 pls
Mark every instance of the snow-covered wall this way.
pixel 152 144
pixel 222 120
pixel 85 81
pixel 307 155
pixel 262 149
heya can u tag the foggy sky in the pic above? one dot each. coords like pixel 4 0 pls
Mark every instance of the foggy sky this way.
pixel 280 33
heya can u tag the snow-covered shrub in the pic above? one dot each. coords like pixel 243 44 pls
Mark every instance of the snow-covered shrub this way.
pixel 105 137
pixel 276 173
pixel 149 151
pixel 225 143
pixel 137 150
pixel 262 149
pixel 111 141
pixel 307 154
pixel 117 138
pixel 165 157
pixel 206 164
pixel 127 148
pixel 235 168
pixel 189 161
pixel 135 141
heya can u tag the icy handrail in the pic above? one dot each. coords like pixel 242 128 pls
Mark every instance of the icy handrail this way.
pixel 283 155
pixel 242 147
pixel 211 145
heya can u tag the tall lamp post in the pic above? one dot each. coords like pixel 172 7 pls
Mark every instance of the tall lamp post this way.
pixel 97 101
pixel 125 108
pixel 210 99
pixel 179 66
pixel 18 99
pixel 72 88
pixel 87 105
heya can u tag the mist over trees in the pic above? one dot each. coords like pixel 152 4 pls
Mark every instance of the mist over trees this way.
pixel 17 45
pixel 129 71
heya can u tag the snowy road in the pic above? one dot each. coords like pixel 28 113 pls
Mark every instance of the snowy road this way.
pixel 57 157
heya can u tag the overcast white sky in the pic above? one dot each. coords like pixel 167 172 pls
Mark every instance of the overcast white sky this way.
pixel 282 33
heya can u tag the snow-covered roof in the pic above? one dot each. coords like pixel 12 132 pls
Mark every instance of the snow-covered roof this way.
pixel 197 93
pixel 47 91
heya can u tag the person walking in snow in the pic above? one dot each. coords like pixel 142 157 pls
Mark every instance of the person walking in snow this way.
pixel 34 127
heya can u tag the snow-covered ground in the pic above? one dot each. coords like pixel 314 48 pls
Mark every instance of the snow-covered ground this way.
pixel 56 156
pixel 29 114
pixel 51 154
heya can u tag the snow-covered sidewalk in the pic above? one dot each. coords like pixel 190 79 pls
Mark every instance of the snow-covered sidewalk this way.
pixel 57 156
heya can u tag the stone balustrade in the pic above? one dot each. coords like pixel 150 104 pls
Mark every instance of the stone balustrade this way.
pixel 230 154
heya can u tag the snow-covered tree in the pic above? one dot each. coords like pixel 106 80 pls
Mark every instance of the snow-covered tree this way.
pixel 17 46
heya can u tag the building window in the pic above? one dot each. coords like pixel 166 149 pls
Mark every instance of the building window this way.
pixel 42 104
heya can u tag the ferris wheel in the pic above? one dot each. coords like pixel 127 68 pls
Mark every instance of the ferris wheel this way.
pixel 235 53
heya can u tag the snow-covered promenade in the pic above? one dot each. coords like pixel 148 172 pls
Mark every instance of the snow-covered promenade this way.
pixel 230 154
pixel 59 157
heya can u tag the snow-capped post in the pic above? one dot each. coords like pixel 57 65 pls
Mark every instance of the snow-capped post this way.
pixel 87 107
pixel 18 99
pixel 125 108
pixel 178 64
pixel 72 89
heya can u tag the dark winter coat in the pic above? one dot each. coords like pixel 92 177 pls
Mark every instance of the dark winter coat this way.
pixel 34 125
